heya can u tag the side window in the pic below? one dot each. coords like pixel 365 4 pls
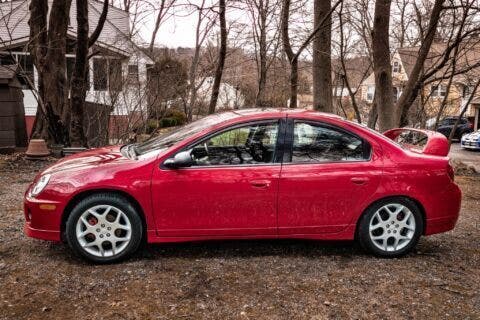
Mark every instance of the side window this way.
pixel 315 143
pixel 251 144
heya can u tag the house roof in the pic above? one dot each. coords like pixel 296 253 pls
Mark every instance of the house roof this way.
pixel 14 28
pixel 469 54
pixel 357 69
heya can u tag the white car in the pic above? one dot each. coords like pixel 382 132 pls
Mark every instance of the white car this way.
pixel 471 140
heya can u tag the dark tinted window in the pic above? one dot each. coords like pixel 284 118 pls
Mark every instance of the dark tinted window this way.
pixel 317 143
pixel 251 144
pixel 100 68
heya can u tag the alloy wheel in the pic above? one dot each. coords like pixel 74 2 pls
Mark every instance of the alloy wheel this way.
pixel 392 227
pixel 103 231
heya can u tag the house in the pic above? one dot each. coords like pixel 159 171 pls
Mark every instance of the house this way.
pixel 434 92
pixel 117 71
pixel 356 70
pixel 229 97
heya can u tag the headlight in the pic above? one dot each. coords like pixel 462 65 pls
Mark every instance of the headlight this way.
pixel 39 186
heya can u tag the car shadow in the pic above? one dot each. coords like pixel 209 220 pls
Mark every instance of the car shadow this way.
pixel 249 248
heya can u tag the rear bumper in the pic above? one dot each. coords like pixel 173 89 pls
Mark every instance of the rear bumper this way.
pixel 446 210
pixel 440 225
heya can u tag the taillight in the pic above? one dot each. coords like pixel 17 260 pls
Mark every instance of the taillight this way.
pixel 451 172
pixel 470 125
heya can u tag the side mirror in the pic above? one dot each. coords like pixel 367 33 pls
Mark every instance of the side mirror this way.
pixel 180 160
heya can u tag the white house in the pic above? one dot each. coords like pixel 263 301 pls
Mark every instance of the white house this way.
pixel 229 97
pixel 117 71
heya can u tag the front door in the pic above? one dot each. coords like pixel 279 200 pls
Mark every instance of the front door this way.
pixel 328 176
pixel 231 189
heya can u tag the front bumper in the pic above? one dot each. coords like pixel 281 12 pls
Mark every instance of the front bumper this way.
pixel 473 145
pixel 42 219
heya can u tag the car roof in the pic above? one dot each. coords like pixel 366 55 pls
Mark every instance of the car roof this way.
pixel 278 112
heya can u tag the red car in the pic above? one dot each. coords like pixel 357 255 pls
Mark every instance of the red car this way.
pixel 250 174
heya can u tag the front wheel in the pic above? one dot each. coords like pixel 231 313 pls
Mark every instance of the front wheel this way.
pixel 104 228
pixel 391 227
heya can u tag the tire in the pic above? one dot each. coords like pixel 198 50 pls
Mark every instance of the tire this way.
pixel 104 228
pixel 396 220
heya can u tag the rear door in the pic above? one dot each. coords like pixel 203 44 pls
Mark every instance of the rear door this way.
pixel 327 178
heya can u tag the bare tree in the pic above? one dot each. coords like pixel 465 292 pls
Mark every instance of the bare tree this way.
pixel 410 90
pixel 48 48
pixel 293 57
pixel 79 75
pixel 204 24
pixel 322 58
pixel 222 52
pixel 381 65
pixel 163 10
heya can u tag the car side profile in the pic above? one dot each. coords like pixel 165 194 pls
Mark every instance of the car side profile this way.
pixel 464 127
pixel 256 174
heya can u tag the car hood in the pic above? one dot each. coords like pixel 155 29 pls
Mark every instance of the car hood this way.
pixel 91 158
pixel 472 136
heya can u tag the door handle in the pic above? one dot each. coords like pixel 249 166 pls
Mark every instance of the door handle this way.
pixel 359 180
pixel 260 183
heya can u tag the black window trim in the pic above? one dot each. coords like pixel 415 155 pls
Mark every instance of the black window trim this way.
pixel 287 156
pixel 279 147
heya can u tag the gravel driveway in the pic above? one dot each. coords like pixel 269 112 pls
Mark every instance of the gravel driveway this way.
pixel 468 157
pixel 238 279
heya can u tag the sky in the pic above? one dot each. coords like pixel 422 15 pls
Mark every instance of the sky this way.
pixel 175 32
pixel 178 30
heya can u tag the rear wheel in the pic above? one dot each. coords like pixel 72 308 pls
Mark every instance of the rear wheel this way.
pixel 104 228
pixel 391 227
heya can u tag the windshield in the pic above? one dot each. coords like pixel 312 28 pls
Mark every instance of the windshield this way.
pixel 170 138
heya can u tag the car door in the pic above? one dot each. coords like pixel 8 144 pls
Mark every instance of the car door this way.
pixel 231 190
pixel 327 177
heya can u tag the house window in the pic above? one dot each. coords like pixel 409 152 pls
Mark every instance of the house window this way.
pixel 397 67
pixel 439 90
pixel 100 71
pixel 25 71
pixel 107 74
pixel 115 75
pixel 370 93
pixel 133 73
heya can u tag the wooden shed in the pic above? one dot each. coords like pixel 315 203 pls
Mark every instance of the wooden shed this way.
pixel 12 114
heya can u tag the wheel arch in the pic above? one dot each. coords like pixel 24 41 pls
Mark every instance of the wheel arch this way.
pixel 417 203
pixel 86 193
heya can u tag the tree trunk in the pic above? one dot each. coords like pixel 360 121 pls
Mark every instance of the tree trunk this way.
pixel 322 58
pixel 260 99
pixel 158 21
pixel 78 88
pixel 221 58
pixel 48 48
pixel 287 47
pixel 411 89
pixel 293 83
pixel 78 85
pixel 372 116
pixel 382 67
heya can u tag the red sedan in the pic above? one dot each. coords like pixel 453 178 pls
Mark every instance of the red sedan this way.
pixel 250 174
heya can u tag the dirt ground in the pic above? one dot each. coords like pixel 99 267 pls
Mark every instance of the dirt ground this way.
pixel 238 279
